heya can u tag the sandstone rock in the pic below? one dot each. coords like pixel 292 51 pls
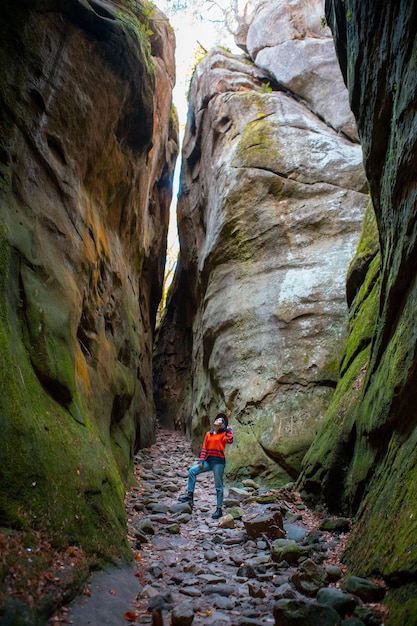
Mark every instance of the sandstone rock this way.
pixel 296 612
pixel 149 592
pixel 174 529
pixel 235 493
pixel 269 524
pixel 183 518
pixel 246 571
pixel 156 605
pixel 210 556
pixel 88 146
pixel 212 578
pixel 333 573
pixel 226 604
pixel 285 590
pixel 227 521
pixel 286 550
pixel 290 42
pixel 236 512
pixel 145 526
pixel 180 507
pixel 221 589
pixel 309 577
pixel 193 592
pixel 341 602
pixel 378 369
pixel 255 590
pixel 269 218
pixel 182 615
pixel 264 498
pixel 156 571
pixel 366 590
pixel 157 507
pixel 250 483
pixel 297 533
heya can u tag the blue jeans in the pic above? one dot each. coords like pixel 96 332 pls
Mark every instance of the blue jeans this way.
pixel 218 471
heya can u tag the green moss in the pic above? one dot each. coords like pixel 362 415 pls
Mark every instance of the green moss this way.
pixel 402 606
pixel 368 244
pixel 55 473
pixel 257 146
pixel 363 315
pixel 259 465
pixel 330 370
pixel 390 504
pixel 140 33
pixel 326 465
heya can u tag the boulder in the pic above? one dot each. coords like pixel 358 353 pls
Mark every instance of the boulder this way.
pixel 336 524
pixel 269 524
pixel 287 550
pixel 182 615
pixel 269 216
pixel 309 578
pixel 366 590
pixel 343 603
pixel 288 612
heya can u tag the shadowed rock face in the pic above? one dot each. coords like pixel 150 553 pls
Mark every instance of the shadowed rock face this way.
pixel 271 205
pixel 364 458
pixel 88 145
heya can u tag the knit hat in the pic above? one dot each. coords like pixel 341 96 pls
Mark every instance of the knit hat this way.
pixel 223 417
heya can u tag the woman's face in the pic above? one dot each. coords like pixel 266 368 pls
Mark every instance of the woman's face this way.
pixel 218 424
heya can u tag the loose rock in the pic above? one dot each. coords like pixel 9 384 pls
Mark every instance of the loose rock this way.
pixel 192 571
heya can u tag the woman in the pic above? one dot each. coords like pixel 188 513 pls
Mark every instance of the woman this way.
pixel 212 459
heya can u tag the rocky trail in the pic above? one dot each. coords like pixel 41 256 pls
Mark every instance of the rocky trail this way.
pixel 268 560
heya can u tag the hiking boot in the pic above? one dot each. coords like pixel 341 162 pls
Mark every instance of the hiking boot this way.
pixel 217 514
pixel 189 497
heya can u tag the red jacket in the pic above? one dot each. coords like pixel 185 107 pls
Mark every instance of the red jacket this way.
pixel 214 445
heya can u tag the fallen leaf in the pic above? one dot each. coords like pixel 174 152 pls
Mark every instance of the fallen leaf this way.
pixel 130 616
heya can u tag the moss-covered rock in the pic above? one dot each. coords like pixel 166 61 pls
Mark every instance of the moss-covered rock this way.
pixel 376 430
pixel 337 464
pixel 82 250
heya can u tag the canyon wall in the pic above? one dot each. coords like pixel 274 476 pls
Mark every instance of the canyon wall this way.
pixel 88 142
pixel 364 458
pixel 271 204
